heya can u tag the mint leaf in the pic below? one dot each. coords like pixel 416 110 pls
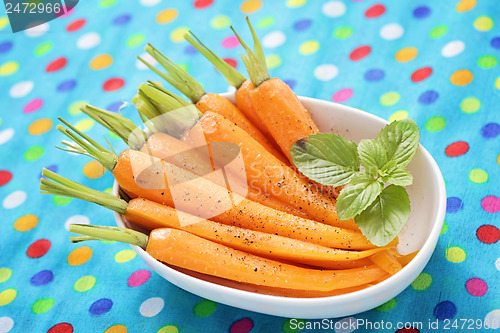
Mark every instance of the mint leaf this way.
pixel 400 139
pixel 384 219
pixel 373 156
pixel 388 168
pixel 359 194
pixel 328 159
pixel 399 176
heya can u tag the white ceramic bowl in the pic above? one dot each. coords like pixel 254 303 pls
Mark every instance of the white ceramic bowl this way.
pixel 428 205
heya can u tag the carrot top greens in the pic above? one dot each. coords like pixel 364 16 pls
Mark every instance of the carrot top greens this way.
pixel 96 232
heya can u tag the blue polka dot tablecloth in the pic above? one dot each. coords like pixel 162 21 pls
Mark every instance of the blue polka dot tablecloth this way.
pixel 433 61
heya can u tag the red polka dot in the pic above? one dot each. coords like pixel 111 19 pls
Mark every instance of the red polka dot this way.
pixel 230 42
pixel 231 61
pixel 421 74
pixel 244 325
pixel 38 248
pixel 201 4
pixel 375 11
pixel 488 234
pixel 61 328
pixel 76 25
pixel 360 52
pixel 476 287
pixel 56 65
pixel 113 84
pixel 5 177
pixel 408 330
pixel 33 105
pixel 457 148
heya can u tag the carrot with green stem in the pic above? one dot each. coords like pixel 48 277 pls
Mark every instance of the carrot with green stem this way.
pixel 182 249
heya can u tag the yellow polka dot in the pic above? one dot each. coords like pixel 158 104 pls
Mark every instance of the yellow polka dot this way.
pixel 101 61
pixel 178 34
pixel 309 47
pixel 295 3
pixel 273 61
pixel 483 23
pixel 7 296
pixel 166 16
pixel 406 54
pixel 125 255
pixel 4 21
pixel 455 254
pixel 26 222
pixel 116 329
pixel 465 5
pixel 9 68
pixel 85 124
pixel 93 170
pixel 79 256
pixel 40 126
pixel 497 83
pixel 462 77
pixel 250 6
pixel 398 115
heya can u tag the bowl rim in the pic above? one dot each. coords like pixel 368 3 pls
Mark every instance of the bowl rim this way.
pixel 416 264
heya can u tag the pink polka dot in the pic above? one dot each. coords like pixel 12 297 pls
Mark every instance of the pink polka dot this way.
pixel 230 42
pixel 244 325
pixel 476 287
pixel 342 95
pixel 33 105
pixel 139 278
pixel 491 204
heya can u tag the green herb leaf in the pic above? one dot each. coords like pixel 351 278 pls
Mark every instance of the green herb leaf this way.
pixel 400 139
pixel 326 158
pixel 399 176
pixel 359 194
pixel 384 219
pixel 373 156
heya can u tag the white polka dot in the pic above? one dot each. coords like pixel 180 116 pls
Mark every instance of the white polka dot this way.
pixel 76 219
pixel 492 319
pixel 334 9
pixel 88 41
pixel 6 135
pixel 273 39
pixel 391 31
pixel 151 307
pixel 38 30
pixel 497 263
pixel 6 324
pixel 146 56
pixel 21 89
pixel 453 48
pixel 149 3
pixel 14 199
pixel 326 72
pixel 346 325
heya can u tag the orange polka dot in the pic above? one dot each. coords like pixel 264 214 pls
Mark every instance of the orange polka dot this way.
pixel 40 126
pixel 462 77
pixel 250 6
pixel 406 54
pixel 101 61
pixel 26 222
pixel 465 5
pixel 93 170
pixel 117 329
pixel 79 256
pixel 166 16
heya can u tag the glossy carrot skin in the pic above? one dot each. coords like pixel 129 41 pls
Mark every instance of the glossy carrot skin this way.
pixel 202 198
pixel 244 103
pixel 185 250
pixel 387 262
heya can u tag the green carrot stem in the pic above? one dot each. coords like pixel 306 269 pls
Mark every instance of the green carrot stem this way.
pixel 86 146
pixel 232 76
pixel 123 235
pixel 255 62
pixel 175 75
pixel 78 239
pixel 58 185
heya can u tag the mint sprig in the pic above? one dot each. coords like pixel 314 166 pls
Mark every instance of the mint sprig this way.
pixel 374 171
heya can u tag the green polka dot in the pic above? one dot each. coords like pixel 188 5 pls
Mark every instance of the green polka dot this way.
pixel 422 282
pixel 444 229
pixel 135 40
pixel 273 61
pixel 438 31
pixel 113 135
pixel 84 283
pixel 60 201
pixel 42 305
pixel 7 296
pixel 343 32
pixel 309 47
pixel 287 325
pixel 5 274
pixel 266 22
pixel 390 98
pixel 387 306
pixel 85 124
pixel 435 124
pixel 220 22
pixel 125 255
pixel 168 329
pixel 398 115
pixel 107 242
pixel 9 68
pixel 184 66
pixel 204 308
pixel 478 176
pixel 455 254
pixel 43 48
pixel 470 105
pixel 74 109
pixel 107 3
pixel 487 61
pixel 33 153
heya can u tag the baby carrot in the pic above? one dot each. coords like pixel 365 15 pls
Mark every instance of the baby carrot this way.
pixel 387 262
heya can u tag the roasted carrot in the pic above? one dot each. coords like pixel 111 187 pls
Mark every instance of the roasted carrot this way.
pixel 387 262
pixel 182 249
pixel 405 259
